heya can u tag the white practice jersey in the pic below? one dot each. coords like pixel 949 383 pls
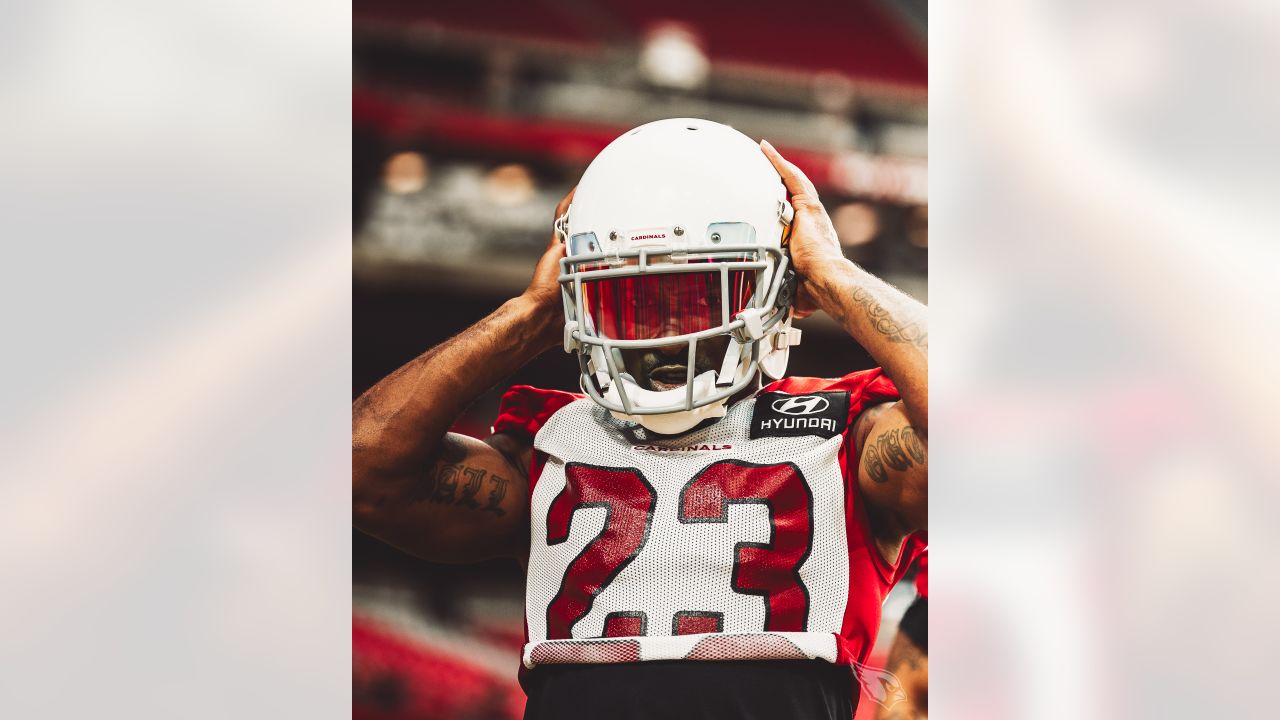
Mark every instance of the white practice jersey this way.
pixel 745 539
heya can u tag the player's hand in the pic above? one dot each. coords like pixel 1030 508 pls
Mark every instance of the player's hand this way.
pixel 815 249
pixel 544 289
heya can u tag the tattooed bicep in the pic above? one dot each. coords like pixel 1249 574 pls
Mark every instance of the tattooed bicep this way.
pixel 893 464
pixel 897 448
pixel 468 474
pixel 892 445
pixel 465 503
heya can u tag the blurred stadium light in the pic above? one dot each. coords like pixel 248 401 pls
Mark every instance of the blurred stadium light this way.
pixel 548 84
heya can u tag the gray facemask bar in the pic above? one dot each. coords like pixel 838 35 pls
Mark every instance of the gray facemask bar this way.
pixel 571 292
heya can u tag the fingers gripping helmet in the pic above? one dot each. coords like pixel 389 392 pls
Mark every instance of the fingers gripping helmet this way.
pixel 675 237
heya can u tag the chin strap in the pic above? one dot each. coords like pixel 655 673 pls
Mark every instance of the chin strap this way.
pixel 666 423
pixel 774 356
pixel 729 368
pixel 561 226
pixel 786 338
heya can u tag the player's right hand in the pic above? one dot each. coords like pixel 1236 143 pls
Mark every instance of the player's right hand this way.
pixel 544 289
pixel 814 246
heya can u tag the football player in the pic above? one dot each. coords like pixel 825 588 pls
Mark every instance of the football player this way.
pixel 697 542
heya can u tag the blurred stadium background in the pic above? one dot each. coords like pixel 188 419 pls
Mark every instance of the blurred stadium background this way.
pixel 471 120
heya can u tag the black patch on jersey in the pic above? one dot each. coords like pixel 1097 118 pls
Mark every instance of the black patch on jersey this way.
pixel 776 414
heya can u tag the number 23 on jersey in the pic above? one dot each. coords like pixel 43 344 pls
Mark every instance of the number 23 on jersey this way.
pixel 769 569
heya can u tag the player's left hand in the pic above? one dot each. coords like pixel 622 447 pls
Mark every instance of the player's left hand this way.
pixel 814 246
pixel 544 288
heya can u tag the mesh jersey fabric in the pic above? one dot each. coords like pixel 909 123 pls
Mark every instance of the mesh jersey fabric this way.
pixel 712 545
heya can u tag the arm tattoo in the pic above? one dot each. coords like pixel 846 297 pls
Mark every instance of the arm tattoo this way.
pixel 475 476
pixel 893 453
pixel 884 323
pixel 875 467
pixel 496 494
pixel 899 448
pixel 911 441
pixel 441 478
pixel 447 473
pixel 446 484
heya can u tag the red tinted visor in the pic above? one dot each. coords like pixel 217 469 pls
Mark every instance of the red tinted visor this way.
pixel 661 305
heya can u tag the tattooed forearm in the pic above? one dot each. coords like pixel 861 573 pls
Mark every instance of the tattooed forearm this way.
pixel 890 325
pixel 898 448
pixel 884 323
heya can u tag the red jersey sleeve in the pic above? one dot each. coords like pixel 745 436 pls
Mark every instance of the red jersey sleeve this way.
pixel 866 388
pixel 922 575
pixel 525 409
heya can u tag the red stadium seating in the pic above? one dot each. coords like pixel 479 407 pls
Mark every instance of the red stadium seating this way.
pixel 402 678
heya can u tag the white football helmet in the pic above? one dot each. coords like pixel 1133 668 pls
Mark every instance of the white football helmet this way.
pixel 675 236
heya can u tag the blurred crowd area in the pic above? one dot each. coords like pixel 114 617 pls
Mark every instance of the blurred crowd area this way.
pixel 472 120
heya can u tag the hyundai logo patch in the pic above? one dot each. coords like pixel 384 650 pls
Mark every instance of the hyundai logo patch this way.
pixel 823 414
pixel 801 405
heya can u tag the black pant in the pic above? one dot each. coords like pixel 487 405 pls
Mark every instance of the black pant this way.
pixel 741 690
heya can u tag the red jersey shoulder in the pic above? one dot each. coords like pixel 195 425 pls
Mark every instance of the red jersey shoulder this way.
pixel 915 546
pixel 922 574
pixel 865 388
pixel 872 382
pixel 525 409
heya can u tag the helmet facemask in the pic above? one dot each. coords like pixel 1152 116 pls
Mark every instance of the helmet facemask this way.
pixel 659 298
